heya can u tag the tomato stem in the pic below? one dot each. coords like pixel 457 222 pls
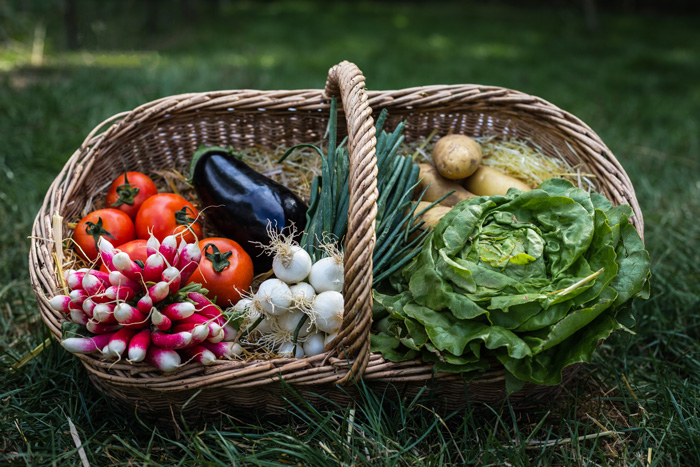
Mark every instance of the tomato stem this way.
pixel 219 260
pixel 96 230
pixel 126 192
pixel 183 216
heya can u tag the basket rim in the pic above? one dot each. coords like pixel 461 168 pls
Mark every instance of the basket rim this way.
pixel 441 98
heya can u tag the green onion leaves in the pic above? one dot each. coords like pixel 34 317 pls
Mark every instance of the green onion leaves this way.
pixel 397 178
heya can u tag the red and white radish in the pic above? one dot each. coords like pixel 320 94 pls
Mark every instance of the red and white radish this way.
pixel 86 344
pixel 156 293
pixel 104 313
pixel 229 331
pixel 138 346
pixel 204 306
pixel 160 321
pixel 178 310
pixel 145 304
pixel 93 284
pixel 178 340
pixel 96 327
pixel 199 332
pixel 152 244
pixel 224 349
pixel 119 343
pixel 106 251
pixel 120 293
pixel 78 316
pixel 60 303
pixel 171 275
pixel 198 353
pixel 117 278
pixel 213 324
pixel 78 296
pixel 88 307
pixel 218 337
pixel 74 279
pixel 188 260
pixel 168 248
pixel 131 317
pixel 165 359
pixel 153 268
pixel 124 264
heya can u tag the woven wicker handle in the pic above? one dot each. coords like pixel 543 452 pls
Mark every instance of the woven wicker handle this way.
pixel 347 81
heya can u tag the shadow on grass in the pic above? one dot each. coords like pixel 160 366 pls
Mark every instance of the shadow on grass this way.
pixel 382 426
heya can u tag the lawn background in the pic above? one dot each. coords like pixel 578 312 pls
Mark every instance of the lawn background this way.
pixel 633 75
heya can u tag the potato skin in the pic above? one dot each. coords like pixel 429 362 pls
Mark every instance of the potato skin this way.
pixel 437 186
pixel 487 181
pixel 456 156
pixel 433 215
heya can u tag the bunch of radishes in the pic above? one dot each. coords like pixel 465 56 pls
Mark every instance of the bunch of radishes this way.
pixel 146 312
pixel 299 311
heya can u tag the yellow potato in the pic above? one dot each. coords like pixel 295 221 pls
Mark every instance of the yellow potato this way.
pixel 456 156
pixel 433 215
pixel 487 181
pixel 437 186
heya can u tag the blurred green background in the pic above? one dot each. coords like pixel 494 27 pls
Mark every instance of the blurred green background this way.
pixel 629 69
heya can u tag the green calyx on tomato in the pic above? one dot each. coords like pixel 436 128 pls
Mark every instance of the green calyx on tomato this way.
pixel 185 217
pixel 126 193
pixel 219 260
pixel 96 230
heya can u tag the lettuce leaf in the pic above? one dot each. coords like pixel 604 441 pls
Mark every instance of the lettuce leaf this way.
pixel 531 280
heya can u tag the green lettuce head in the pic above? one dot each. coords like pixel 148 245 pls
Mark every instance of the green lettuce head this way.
pixel 533 280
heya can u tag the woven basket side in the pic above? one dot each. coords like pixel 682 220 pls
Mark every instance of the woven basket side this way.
pixel 163 134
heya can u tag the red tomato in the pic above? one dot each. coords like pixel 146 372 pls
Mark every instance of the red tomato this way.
pixel 135 248
pixel 168 214
pixel 114 225
pixel 225 270
pixel 128 192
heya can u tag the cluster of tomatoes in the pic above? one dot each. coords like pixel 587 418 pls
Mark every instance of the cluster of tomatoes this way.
pixel 135 210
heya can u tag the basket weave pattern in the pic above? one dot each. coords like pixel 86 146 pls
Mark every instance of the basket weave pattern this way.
pixel 163 134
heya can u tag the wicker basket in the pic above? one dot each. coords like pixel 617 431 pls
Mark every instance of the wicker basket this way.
pixel 165 133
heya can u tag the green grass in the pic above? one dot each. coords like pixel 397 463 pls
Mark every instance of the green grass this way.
pixel 634 82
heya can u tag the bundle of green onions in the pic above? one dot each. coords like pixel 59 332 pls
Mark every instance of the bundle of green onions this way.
pixel 397 178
